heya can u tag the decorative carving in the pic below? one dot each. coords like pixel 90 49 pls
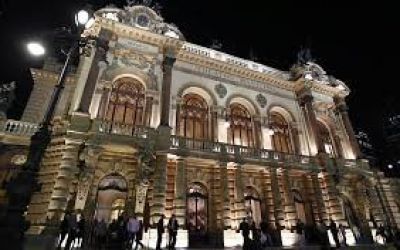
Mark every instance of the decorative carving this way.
pixel 141 193
pixel 261 100
pixel 6 98
pixel 221 90
pixel 18 160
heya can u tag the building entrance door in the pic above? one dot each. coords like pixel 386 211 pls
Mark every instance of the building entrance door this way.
pixel 197 215
pixel 111 197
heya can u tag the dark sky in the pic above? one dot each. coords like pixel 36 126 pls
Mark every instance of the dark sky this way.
pixel 356 43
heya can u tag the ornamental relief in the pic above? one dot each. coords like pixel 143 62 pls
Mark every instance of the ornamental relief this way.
pixel 221 90
pixel 261 100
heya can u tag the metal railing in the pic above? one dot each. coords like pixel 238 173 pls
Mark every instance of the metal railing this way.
pixel 18 128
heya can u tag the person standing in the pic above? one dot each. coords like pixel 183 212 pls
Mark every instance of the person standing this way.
pixel 100 232
pixel 300 232
pixel 334 231
pixel 342 232
pixel 81 231
pixel 172 231
pixel 160 231
pixel 245 228
pixel 63 229
pixel 132 228
pixel 139 235
pixel 72 230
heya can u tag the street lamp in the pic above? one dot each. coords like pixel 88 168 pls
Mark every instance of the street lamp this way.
pixel 21 188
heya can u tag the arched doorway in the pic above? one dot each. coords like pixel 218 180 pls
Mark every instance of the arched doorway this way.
pixel 252 204
pixel 303 208
pixel 111 197
pixel 197 214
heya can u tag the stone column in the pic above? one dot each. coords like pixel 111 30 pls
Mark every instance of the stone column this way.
pixel 342 110
pixel 319 198
pixel 148 111
pixel 104 103
pixel 305 99
pixel 257 132
pixel 224 209
pixel 167 66
pixel 276 196
pixel 239 196
pixel 222 129
pixel 159 187
pixel 180 191
pixel 93 74
pixel 289 206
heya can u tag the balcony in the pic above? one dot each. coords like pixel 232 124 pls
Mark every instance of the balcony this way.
pixel 17 132
pixel 239 153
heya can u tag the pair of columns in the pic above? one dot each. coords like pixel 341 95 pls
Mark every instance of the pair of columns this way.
pixel 305 99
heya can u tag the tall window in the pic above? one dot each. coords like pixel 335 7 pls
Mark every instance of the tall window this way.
pixel 281 137
pixel 193 117
pixel 126 103
pixel 240 131
pixel 326 139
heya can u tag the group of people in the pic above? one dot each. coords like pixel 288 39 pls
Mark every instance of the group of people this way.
pixel 266 236
pixel 123 233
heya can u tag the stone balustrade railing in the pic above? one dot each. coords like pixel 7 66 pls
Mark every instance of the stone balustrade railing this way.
pixel 243 152
pixel 108 127
pixel 18 128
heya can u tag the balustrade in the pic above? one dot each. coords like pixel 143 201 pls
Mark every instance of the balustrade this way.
pixel 18 128
pixel 108 127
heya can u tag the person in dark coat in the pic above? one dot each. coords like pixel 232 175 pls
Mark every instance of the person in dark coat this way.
pixel 335 232
pixel 160 231
pixel 139 235
pixel 245 228
pixel 172 231
pixel 63 230
pixel 81 231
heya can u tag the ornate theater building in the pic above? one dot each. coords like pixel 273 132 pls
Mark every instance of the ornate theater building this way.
pixel 151 124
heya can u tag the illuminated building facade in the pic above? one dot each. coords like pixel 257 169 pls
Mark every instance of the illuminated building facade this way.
pixel 151 124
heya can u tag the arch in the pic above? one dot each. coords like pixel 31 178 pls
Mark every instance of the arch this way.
pixel 126 102
pixel 240 130
pixel 252 204
pixel 134 77
pixel 244 101
pixel 280 109
pixel 199 90
pixel 303 207
pixel 325 133
pixel 112 193
pixel 282 135
pixel 193 117
pixel 197 211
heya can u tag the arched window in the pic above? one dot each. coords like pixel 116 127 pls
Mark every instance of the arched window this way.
pixel 281 141
pixel 240 131
pixel 126 102
pixel 326 138
pixel 193 117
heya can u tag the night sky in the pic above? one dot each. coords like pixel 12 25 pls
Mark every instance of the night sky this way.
pixel 356 43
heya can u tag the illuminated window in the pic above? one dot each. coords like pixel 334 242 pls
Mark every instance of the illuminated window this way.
pixel 126 103
pixel 193 117
pixel 240 131
pixel 117 208
pixel 326 138
pixel 281 137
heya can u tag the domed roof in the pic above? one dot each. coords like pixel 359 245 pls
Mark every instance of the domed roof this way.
pixel 142 17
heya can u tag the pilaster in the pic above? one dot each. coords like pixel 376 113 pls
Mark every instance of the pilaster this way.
pixel 277 199
pixel 180 191
pixel 224 209
pixel 288 206
pixel 159 187
pixel 239 195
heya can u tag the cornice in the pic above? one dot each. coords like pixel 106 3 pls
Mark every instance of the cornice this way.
pixel 178 47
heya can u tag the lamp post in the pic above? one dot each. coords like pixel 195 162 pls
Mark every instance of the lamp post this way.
pixel 21 188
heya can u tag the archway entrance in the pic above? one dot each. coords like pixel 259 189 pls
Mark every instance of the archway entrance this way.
pixel 111 197
pixel 197 215
pixel 351 217
pixel 303 208
pixel 252 204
